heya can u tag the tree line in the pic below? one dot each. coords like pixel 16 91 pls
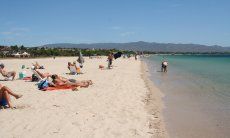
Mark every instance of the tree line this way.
pixel 48 52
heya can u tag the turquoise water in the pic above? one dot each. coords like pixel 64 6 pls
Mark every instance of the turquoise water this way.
pixel 197 94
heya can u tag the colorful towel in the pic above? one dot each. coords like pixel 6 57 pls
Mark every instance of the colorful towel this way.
pixel 28 78
pixel 58 88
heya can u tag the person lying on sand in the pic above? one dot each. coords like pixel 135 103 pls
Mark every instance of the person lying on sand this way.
pixel 7 74
pixel 5 93
pixel 61 81
pixel 37 66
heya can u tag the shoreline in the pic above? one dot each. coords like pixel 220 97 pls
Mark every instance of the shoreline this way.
pixel 154 104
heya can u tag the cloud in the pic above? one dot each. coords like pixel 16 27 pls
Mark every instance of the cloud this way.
pixel 127 33
pixel 15 31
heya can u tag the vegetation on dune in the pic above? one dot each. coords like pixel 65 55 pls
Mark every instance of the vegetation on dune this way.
pixel 48 52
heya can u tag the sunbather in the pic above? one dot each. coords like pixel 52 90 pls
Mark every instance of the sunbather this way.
pixel 7 74
pixel 5 93
pixel 60 81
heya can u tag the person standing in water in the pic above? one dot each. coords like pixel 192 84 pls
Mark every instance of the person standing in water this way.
pixel 164 66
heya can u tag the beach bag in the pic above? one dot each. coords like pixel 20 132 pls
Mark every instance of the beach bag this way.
pixel 22 75
pixel 34 77
pixel 43 84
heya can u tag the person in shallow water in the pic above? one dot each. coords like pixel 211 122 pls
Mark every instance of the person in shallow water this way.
pixel 164 66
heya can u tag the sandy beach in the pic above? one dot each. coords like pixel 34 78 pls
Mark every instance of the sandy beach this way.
pixel 122 102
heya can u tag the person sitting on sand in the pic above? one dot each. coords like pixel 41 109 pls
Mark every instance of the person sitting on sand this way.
pixel 69 65
pixel 5 93
pixel 73 68
pixel 7 74
pixel 37 66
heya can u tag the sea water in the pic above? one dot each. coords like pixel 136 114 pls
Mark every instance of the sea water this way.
pixel 196 92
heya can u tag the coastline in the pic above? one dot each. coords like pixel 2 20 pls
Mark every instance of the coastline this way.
pixel 154 104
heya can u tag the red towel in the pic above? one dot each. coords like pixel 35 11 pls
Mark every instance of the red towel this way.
pixel 27 78
pixel 58 88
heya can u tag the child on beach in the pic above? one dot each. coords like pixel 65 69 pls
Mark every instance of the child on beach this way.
pixel 7 74
pixel 5 93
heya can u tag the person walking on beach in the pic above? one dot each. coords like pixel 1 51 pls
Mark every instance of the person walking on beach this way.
pixel 5 93
pixel 164 66
pixel 7 74
pixel 110 60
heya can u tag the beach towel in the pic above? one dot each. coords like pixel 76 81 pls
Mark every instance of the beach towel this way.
pixel 58 88
pixel 27 78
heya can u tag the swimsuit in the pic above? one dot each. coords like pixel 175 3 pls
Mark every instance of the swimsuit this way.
pixel 72 80
pixel 3 102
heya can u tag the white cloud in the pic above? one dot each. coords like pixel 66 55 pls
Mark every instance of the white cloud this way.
pixel 127 34
pixel 15 31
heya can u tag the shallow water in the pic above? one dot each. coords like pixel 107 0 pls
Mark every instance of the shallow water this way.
pixel 197 94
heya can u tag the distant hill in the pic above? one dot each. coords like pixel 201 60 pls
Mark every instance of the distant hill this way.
pixel 145 46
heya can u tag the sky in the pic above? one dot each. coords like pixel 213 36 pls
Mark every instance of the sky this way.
pixel 39 22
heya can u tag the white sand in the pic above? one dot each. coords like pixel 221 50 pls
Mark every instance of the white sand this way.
pixel 114 106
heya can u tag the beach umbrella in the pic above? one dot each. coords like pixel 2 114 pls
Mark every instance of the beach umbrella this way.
pixel 17 55
pixel 117 55
pixel 80 58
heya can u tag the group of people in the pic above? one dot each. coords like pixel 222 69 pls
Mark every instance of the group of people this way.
pixel 53 80
pixel 73 68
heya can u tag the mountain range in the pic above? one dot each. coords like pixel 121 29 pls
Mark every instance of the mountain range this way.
pixel 144 46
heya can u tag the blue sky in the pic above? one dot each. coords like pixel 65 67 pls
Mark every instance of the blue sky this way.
pixel 38 22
